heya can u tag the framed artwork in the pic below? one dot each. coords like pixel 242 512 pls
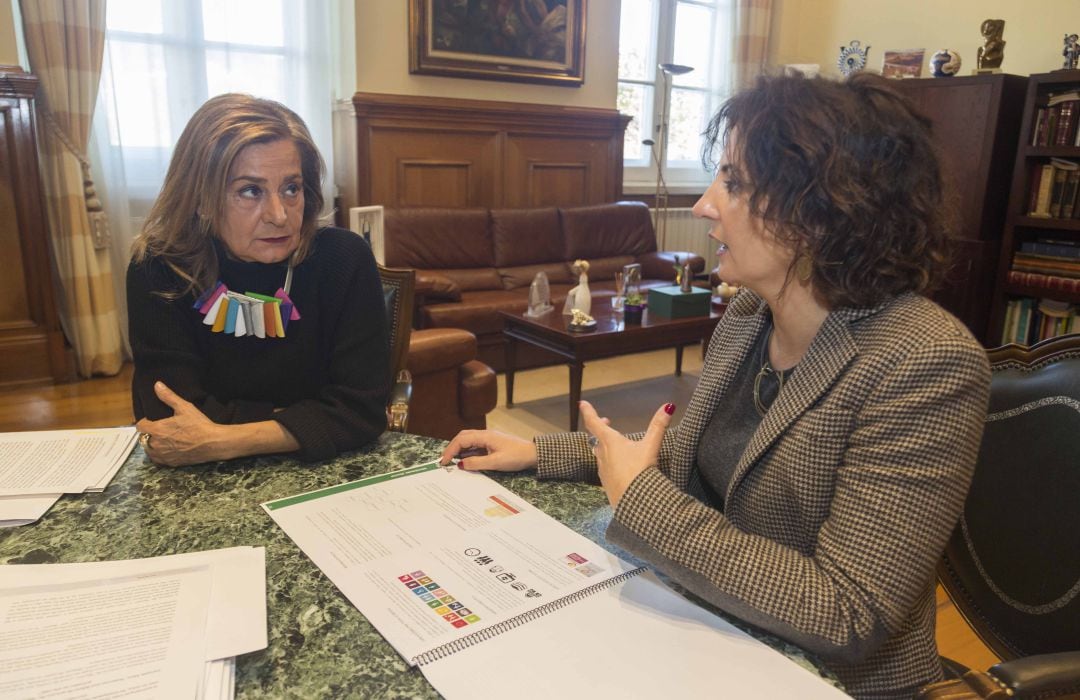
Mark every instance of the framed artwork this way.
pixel 903 64
pixel 532 41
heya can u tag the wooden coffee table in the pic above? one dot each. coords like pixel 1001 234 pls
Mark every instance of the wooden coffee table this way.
pixel 610 338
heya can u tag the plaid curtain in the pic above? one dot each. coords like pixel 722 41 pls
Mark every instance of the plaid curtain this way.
pixel 752 23
pixel 65 40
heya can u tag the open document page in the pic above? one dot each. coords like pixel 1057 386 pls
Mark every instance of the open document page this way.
pixel 639 639
pixel 491 597
pixel 135 637
pixel 430 556
pixel 61 461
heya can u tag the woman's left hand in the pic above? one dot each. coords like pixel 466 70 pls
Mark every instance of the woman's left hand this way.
pixel 619 459
pixel 187 437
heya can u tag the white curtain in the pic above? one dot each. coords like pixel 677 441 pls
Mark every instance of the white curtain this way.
pixel 164 58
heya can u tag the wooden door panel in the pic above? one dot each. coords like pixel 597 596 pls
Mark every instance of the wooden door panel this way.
pixel 555 171
pixel 433 169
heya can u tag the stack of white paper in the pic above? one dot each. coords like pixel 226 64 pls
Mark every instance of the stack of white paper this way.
pixel 36 468
pixel 146 628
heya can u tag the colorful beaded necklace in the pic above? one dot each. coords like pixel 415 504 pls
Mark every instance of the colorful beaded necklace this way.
pixel 249 313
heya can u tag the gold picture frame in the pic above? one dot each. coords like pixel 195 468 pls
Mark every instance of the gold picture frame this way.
pixel 532 41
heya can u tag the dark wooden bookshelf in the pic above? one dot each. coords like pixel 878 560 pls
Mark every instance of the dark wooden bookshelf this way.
pixel 1049 151
pixel 975 122
pixel 1019 227
pixel 1056 223
pixel 1030 290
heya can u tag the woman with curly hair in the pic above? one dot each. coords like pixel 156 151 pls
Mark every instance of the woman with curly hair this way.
pixel 825 455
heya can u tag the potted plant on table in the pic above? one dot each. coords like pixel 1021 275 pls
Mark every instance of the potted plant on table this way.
pixel 633 308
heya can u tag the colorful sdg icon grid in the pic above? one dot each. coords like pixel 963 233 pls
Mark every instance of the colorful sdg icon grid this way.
pixel 435 597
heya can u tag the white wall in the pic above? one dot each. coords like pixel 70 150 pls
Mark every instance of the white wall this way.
pixel 812 31
pixel 382 61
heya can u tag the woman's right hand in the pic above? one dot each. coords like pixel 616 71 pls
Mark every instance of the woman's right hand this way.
pixel 490 450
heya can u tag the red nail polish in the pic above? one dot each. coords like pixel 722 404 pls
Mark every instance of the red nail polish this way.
pixel 461 464
pixel 669 408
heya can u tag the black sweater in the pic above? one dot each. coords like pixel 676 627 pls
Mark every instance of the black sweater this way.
pixel 330 373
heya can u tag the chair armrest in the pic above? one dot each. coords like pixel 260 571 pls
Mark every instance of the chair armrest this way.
pixel 435 287
pixel 397 407
pixel 434 349
pixel 1040 676
pixel 661 265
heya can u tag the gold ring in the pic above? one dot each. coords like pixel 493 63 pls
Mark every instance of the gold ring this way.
pixel 144 440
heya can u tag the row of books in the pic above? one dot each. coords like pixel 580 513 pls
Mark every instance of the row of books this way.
pixel 1027 321
pixel 1054 188
pixel 1056 123
pixel 1051 283
pixel 1047 262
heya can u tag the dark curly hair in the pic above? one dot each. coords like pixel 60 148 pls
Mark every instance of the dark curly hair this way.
pixel 844 173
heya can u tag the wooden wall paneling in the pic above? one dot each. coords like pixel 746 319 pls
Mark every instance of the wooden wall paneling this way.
pixel 418 151
pixel 543 171
pixel 424 167
pixel 31 342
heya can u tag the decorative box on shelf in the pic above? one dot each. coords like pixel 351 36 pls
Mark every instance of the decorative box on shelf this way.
pixel 672 302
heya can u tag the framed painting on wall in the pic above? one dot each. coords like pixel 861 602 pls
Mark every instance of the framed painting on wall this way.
pixel 532 41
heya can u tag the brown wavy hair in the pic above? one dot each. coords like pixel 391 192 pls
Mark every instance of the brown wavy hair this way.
pixel 845 173
pixel 190 209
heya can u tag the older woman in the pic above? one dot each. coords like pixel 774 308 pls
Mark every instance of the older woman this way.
pixel 254 331
pixel 826 453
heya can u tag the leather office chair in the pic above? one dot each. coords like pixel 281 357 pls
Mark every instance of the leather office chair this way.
pixel 1012 566
pixel 440 387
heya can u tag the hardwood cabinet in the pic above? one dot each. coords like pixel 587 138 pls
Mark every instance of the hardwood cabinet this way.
pixel 1020 226
pixel 31 343
pixel 443 152
pixel 976 121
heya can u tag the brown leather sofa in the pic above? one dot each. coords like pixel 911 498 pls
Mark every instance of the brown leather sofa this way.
pixel 472 263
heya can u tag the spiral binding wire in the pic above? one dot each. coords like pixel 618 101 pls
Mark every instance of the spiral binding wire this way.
pixel 444 650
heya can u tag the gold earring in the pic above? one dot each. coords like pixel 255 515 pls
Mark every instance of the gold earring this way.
pixel 804 267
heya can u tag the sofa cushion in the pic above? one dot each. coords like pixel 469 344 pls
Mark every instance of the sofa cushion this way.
pixel 526 236
pixel 432 285
pixel 467 279
pixel 522 276
pixel 438 238
pixel 606 230
pixel 477 311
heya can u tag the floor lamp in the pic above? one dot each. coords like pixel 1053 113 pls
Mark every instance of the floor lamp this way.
pixel 661 198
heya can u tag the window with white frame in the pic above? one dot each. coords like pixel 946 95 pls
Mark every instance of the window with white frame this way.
pixel 686 32
pixel 165 58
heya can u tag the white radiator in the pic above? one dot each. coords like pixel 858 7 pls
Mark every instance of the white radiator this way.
pixel 686 233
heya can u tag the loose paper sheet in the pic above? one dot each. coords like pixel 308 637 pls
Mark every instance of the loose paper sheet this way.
pixel 134 637
pixel 61 461
pixel 237 617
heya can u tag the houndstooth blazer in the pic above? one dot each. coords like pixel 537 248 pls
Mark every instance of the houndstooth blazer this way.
pixel 843 500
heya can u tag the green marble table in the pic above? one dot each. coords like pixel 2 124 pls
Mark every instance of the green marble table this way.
pixel 320 645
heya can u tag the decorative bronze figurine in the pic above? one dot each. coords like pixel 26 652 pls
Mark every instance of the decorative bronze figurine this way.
pixel 1071 52
pixel 992 51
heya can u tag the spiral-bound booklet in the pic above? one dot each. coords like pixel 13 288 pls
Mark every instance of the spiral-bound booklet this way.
pixel 490 596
